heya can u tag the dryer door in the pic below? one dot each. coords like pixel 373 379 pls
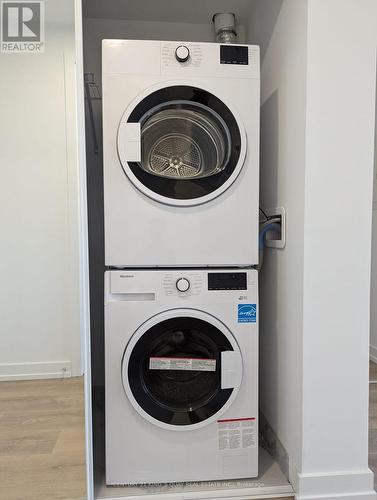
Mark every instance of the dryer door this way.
pixel 182 369
pixel 181 145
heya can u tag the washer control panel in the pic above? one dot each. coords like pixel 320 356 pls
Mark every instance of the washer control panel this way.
pixel 227 281
pixel 188 283
pixel 183 284
pixel 177 286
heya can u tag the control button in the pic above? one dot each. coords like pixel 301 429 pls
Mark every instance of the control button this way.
pixel 182 53
pixel 182 284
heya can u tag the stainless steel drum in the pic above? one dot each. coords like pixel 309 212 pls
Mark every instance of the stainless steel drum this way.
pixel 184 140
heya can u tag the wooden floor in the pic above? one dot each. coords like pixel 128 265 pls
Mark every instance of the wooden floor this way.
pixel 42 440
pixel 372 371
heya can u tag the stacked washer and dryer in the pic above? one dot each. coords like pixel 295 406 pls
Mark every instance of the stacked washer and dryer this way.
pixel 181 184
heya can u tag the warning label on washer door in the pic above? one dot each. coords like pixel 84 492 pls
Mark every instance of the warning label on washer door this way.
pixel 194 364
pixel 235 433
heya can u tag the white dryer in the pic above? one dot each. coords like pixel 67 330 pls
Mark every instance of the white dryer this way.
pixel 181 161
pixel 181 375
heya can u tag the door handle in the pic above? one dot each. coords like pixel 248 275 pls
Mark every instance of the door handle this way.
pixel 231 369
pixel 129 141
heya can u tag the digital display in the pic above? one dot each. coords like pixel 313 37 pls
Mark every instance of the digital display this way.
pixel 234 54
pixel 227 281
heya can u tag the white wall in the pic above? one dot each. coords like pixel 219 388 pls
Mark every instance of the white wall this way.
pixel 318 94
pixel 282 184
pixel 39 298
pixel 373 297
pixel 341 85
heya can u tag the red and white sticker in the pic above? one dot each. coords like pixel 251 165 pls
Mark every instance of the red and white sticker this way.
pixel 236 433
pixel 193 364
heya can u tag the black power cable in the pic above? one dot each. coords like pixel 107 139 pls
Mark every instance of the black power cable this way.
pixel 264 213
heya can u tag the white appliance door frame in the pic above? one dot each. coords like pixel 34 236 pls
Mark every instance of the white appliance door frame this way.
pixel 130 142
pixel 231 364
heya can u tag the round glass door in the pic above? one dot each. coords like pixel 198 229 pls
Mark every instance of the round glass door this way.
pixel 173 370
pixel 191 146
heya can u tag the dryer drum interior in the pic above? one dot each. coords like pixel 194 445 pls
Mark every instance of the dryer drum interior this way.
pixel 185 140
pixel 190 144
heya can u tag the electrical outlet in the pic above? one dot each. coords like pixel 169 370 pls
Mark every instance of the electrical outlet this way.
pixel 274 239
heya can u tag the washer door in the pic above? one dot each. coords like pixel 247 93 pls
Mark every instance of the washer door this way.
pixel 182 369
pixel 181 145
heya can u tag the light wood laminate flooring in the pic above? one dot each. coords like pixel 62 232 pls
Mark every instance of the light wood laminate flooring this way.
pixel 42 440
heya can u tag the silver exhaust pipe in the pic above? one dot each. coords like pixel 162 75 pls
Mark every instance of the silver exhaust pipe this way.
pixel 225 27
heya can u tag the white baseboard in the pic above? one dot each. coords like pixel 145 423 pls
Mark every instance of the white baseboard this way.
pixel 32 371
pixel 358 485
pixel 373 353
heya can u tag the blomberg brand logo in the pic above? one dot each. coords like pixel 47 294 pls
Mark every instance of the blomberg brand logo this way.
pixel 247 313
pixel 22 26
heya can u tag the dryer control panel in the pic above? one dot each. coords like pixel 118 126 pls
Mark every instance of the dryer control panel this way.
pixel 234 54
pixel 212 59
pixel 180 59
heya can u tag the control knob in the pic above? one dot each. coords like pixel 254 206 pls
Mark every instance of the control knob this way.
pixel 182 284
pixel 182 53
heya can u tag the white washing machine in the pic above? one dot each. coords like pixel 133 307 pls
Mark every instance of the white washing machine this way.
pixel 181 375
pixel 181 153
